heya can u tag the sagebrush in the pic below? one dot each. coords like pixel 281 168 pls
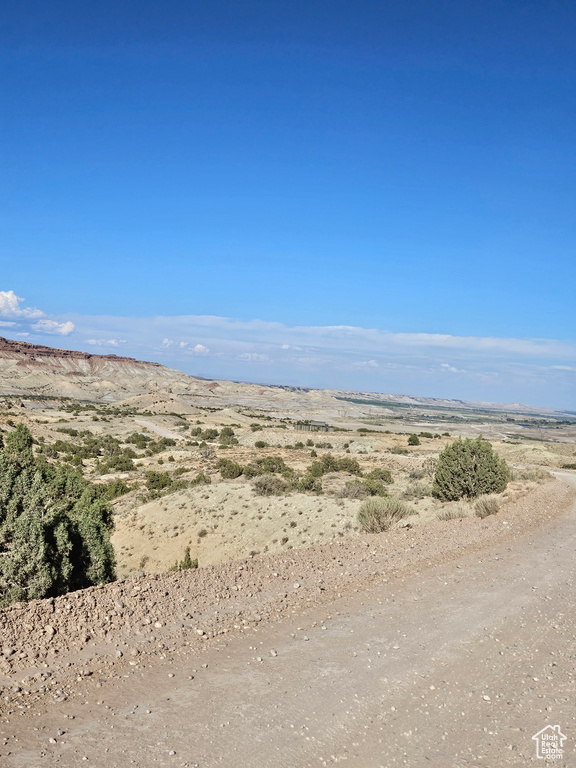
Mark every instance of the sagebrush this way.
pixel 378 514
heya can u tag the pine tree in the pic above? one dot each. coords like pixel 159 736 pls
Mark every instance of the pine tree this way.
pixel 469 468
pixel 54 526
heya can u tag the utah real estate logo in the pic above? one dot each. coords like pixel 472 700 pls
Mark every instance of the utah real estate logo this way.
pixel 549 743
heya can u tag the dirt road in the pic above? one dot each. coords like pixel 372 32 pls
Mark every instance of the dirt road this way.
pixel 162 431
pixel 458 665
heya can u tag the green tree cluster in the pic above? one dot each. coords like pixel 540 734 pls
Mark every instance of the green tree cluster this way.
pixel 55 526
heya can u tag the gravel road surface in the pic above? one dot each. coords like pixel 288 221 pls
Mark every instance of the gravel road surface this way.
pixel 459 664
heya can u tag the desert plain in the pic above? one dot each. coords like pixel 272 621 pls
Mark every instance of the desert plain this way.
pixel 299 639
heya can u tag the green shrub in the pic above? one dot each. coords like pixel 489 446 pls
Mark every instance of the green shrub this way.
pixel 260 444
pixel 157 481
pixel 186 564
pixel 379 514
pixel 570 465
pixel 486 506
pixel 269 485
pixel 354 490
pixel 359 489
pixel 251 471
pixel 226 442
pixel 413 440
pixel 467 469
pixel 272 464
pixel 349 465
pixel 380 473
pixel 54 526
pixel 201 479
pixel 417 491
pixel 309 483
pixel 374 487
pixel 120 463
pixel 229 469
pixel 113 489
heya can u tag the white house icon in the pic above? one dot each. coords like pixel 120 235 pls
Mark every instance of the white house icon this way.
pixel 549 743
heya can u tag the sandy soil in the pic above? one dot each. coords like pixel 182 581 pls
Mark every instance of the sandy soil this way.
pixel 448 645
pixel 157 430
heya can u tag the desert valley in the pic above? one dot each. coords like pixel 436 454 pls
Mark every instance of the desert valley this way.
pixel 238 546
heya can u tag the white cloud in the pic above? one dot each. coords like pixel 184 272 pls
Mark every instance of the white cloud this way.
pixel 252 357
pixel 10 306
pixel 450 368
pixel 51 326
pixel 167 343
pixel 105 342
pixel 342 356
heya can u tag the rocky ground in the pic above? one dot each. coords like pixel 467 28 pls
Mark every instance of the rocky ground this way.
pixel 448 644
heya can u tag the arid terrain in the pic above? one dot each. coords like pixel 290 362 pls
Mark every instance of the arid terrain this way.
pixel 299 640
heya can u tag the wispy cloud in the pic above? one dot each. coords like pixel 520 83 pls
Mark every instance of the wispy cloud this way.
pixel 105 342
pixel 337 356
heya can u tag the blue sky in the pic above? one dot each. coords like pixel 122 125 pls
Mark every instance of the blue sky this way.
pixel 370 195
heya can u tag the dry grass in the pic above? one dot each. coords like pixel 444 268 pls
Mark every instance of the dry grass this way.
pixel 379 514
pixel 455 511
pixel 486 506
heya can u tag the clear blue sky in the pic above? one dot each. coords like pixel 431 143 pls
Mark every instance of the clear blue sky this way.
pixel 401 166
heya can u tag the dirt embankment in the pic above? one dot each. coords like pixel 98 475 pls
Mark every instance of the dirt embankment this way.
pixel 44 642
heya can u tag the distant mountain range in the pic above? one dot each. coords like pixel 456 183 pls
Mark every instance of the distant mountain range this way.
pixel 31 369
